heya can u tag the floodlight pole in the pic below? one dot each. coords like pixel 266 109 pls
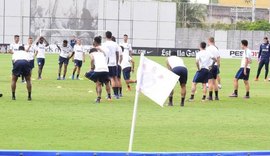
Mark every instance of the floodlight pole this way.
pixel 253 10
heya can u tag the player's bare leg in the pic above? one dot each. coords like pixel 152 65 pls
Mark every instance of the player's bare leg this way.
pixel 235 85
pixel 29 86
pixel 13 86
pixel 247 89
pixel 183 94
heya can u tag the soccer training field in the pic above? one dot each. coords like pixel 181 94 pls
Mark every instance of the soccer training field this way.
pixel 63 115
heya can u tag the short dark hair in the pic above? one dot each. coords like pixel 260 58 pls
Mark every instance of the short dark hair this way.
pixel 109 34
pixel 30 37
pixel 16 36
pixel 203 45
pixel 98 39
pixel 266 38
pixel 21 48
pixel 244 43
pixel 173 53
pixel 211 39
pixel 113 39
pixel 126 35
pixel 65 41
pixel 93 50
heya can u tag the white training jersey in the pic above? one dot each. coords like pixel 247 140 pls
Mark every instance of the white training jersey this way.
pixel 214 51
pixel 78 52
pixel 126 61
pixel 204 58
pixel 113 48
pixel 120 54
pixel 100 62
pixel 127 47
pixel 175 61
pixel 31 51
pixel 20 55
pixel 65 51
pixel 246 54
pixel 40 48
pixel 14 47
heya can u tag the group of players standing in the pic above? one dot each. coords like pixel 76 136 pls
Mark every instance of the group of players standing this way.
pixel 208 69
pixel 108 59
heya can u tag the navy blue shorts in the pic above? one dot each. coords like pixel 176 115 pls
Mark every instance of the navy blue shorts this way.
pixel 78 63
pixel 62 60
pixel 32 64
pixel 182 72
pixel 119 69
pixel 213 72
pixel 102 77
pixel 201 76
pixel 112 71
pixel 126 73
pixel 41 61
pixel 21 68
pixel 240 74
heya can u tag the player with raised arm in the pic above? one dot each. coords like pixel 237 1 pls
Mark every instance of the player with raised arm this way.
pixel 113 56
pixel 78 59
pixel 64 56
pixel 244 71
pixel 30 48
pixel 21 67
pixel 204 63
pixel 177 66
pixel 263 58
pixel 99 72
pixel 40 54
pixel 213 73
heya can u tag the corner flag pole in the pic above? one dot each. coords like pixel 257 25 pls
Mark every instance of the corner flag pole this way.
pixel 133 122
pixel 139 79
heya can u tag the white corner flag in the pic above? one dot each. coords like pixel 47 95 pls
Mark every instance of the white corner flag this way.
pixel 155 82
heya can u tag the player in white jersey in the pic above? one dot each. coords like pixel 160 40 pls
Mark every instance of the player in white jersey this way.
pixel 244 71
pixel 30 48
pixel 78 58
pixel 127 66
pixel 64 56
pixel 99 72
pixel 15 47
pixel 204 62
pixel 213 73
pixel 40 54
pixel 113 56
pixel 127 46
pixel 21 67
pixel 177 66
pixel 105 51
pixel 119 68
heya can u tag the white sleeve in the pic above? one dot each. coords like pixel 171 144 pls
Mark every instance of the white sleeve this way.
pixel 130 48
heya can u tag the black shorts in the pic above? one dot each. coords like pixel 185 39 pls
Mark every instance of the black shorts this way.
pixel 240 74
pixel 213 72
pixel 32 64
pixel 21 68
pixel 78 63
pixel 119 69
pixel 182 72
pixel 41 62
pixel 112 71
pixel 201 76
pixel 126 73
pixel 62 60
pixel 102 77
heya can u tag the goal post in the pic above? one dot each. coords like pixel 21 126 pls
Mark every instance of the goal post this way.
pixel 58 35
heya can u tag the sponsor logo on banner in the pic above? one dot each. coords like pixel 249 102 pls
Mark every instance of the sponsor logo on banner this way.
pixel 164 51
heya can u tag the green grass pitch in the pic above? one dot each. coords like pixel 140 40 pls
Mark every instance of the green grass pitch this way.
pixel 66 117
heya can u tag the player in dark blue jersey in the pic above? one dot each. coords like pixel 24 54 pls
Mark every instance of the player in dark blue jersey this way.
pixel 263 58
